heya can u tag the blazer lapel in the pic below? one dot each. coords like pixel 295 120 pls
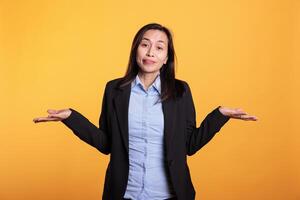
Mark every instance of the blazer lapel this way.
pixel 169 110
pixel 121 102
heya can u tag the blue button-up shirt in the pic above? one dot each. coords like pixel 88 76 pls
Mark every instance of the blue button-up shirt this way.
pixel 148 178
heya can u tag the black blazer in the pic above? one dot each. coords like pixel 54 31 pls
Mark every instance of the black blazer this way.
pixel 181 137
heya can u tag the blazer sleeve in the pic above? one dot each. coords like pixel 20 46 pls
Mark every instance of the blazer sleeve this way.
pixel 87 131
pixel 197 137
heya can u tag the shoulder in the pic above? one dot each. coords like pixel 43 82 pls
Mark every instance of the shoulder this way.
pixel 113 84
pixel 183 83
pixel 110 87
pixel 114 81
pixel 182 87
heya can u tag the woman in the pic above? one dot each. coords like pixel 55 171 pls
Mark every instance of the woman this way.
pixel 147 124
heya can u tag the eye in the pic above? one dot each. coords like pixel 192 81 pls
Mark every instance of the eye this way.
pixel 144 44
pixel 160 48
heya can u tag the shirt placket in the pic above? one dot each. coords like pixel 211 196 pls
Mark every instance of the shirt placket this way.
pixel 145 140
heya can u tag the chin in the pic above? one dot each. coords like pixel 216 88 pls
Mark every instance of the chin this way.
pixel 148 70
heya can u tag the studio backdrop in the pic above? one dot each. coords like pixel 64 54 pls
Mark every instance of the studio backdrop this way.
pixel 235 53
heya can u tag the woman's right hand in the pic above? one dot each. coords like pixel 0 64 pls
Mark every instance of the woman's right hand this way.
pixel 54 115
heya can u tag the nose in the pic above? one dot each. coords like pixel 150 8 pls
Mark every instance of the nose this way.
pixel 150 52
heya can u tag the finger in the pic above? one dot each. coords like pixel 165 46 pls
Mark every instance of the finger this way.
pixel 37 119
pixel 252 118
pixel 55 115
pixel 238 109
pixel 246 117
pixel 234 112
pixel 61 110
pixel 239 112
pixel 239 115
pixel 51 111
pixel 45 119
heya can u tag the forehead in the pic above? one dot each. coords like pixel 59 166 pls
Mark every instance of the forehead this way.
pixel 155 36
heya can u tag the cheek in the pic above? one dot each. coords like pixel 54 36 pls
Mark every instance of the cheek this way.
pixel 140 52
pixel 139 56
pixel 163 57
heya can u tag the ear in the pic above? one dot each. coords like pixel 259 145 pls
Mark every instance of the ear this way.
pixel 166 59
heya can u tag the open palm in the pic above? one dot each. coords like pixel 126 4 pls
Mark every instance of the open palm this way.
pixel 237 113
pixel 54 115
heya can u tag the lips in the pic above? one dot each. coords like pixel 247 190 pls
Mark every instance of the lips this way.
pixel 147 61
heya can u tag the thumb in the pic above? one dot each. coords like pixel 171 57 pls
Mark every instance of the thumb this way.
pixel 52 111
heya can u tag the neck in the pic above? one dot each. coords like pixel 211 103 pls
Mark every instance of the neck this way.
pixel 147 78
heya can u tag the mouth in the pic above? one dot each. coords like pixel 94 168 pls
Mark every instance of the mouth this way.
pixel 148 62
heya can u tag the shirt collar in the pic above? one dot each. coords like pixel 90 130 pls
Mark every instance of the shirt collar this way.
pixel 156 84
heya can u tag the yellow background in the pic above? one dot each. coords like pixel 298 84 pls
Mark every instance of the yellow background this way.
pixel 235 53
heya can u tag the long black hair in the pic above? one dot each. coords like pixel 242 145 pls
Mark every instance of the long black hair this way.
pixel 169 88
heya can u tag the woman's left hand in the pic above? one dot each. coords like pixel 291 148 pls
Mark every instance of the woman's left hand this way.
pixel 237 113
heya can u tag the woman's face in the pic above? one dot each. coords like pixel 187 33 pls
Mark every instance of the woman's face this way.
pixel 152 51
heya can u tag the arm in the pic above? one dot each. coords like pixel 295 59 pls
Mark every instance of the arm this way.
pixel 197 137
pixel 87 131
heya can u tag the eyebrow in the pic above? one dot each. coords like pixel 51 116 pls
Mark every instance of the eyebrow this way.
pixel 144 38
